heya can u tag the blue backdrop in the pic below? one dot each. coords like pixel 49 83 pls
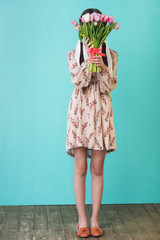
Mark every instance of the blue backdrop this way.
pixel 35 89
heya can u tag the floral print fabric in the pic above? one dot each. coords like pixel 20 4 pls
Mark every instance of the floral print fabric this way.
pixel 90 115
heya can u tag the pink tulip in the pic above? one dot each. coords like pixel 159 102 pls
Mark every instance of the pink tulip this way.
pixel 105 18
pixel 95 23
pixel 74 23
pixel 117 26
pixel 96 16
pixel 92 17
pixel 110 19
pixel 102 18
pixel 82 19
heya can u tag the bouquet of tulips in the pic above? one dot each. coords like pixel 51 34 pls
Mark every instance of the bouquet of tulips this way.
pixel 96 27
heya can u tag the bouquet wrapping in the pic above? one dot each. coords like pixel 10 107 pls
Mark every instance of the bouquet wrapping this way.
pixel 96 27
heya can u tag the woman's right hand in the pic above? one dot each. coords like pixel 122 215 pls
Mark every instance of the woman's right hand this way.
pixel 87 44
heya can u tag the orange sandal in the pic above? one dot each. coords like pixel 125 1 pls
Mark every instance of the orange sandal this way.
pixel 96 231
pixel 83 231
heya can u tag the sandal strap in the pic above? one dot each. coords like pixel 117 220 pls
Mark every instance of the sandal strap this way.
pixel 82 230
pixel 97 229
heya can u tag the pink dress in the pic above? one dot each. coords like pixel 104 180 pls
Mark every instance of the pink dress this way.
pixel 90 115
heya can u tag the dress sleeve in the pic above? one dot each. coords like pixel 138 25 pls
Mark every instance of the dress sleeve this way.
pixel 80 76
pixel 108 84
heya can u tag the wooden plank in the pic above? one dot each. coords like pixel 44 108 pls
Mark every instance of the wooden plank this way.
pixel 2 209
pixel 8 236
pixel 154 215
pixel 55 223
pixel 107 224
pixel 130 223
pixel 69 221
pixel 26 211
pixel 2 216
pixel 40 218
pixel 25 236
pixel 25 223
pixel 4 220
pixel 144 220
pixel 10 221
pixel 116 229
pixel 40 223
pixel 157 205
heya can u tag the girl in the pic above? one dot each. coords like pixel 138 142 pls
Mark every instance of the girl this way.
pixel 90 127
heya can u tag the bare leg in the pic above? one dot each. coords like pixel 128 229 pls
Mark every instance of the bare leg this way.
pixel 79 183
pixel 96 167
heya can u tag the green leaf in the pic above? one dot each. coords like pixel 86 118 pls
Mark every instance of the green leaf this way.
pixel 100 33
pixel 98 27
pixel 80 36
pixel 105 31
pixel 91 28
pixel 83 35
pixel 85 29
pixel 95 42
pixel 94 30
pixel 102 40
pixel 88 28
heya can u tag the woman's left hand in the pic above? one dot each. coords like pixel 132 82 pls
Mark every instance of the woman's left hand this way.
pixel 98 61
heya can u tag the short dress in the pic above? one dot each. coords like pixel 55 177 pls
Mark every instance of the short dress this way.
pixel 90 121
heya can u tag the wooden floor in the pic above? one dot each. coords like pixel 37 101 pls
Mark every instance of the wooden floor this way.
pixel 118 221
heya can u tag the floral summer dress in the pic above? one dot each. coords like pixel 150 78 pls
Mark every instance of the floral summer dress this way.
pixel 90 115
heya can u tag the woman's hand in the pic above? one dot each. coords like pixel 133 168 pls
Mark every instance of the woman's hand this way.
pixel 98 61
pixel 87 45
pixel 95 59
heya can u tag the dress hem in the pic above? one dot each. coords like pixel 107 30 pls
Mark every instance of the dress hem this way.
pixel 89 156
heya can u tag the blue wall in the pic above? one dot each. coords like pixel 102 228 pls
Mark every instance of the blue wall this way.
pixel 35 89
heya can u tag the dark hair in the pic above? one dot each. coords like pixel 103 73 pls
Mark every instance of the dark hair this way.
pixel 91 10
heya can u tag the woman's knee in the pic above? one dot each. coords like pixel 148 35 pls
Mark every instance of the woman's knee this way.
pixel 96 169
pixel 81 169
pixel 97 162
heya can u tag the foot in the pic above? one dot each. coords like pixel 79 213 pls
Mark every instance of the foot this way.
pixel 96 230
pixel 94 222
pixel 83 231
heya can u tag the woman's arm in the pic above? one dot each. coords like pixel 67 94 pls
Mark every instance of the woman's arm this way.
pixel 80 76
pixel 108 84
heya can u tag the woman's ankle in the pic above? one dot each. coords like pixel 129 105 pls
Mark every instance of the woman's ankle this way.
pixel 94 221
pixel 83 221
